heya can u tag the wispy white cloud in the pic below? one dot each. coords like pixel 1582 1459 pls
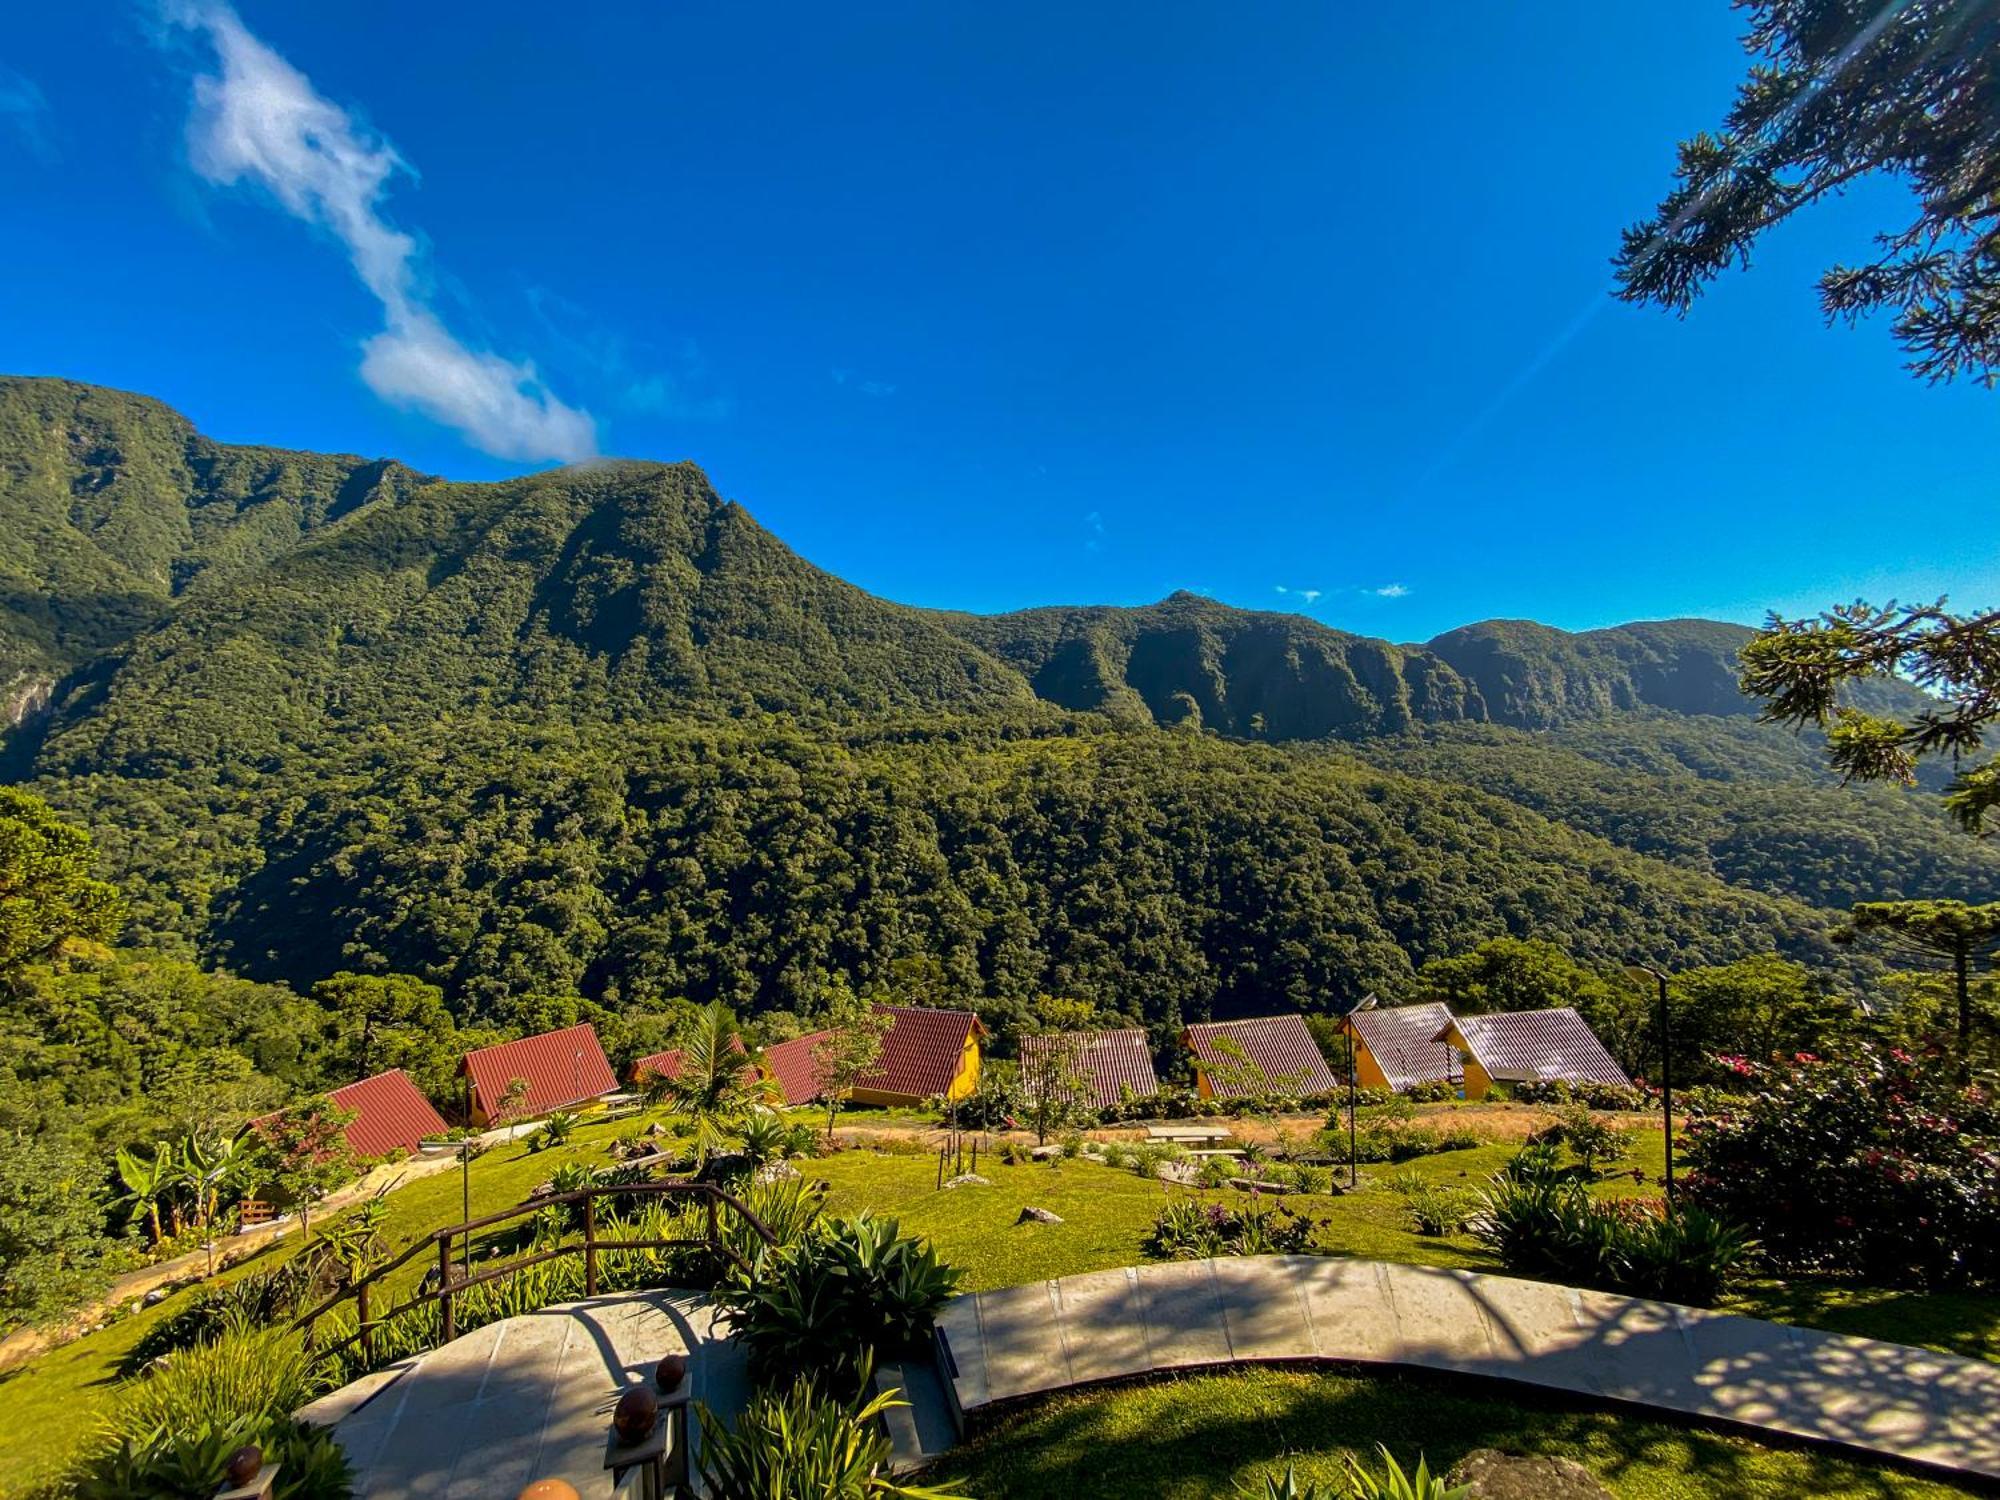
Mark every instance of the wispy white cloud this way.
pixel 25 110
pixel 1388 591
pixel 261 121
pixel 1311 596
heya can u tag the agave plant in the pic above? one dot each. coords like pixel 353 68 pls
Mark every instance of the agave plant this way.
pixel 805 1442
pixel 1395 1484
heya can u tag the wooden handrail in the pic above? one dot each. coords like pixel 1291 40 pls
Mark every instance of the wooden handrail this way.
pixel 449 1284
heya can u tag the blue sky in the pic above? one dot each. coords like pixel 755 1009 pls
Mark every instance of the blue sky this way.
pixel 1301 305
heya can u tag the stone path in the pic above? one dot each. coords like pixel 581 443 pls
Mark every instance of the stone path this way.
pixel 525 1398
pixel 1882 1398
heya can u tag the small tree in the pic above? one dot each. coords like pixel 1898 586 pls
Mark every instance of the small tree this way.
pixel 47 894
pixel 851 1047
pixel 302 1153
pixel 718 1084
pixel 1055 1089
pixel 147 1181
pixel 1965 937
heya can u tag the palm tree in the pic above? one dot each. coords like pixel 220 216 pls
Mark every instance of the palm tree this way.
pixel 147 1180
pixel 718 1084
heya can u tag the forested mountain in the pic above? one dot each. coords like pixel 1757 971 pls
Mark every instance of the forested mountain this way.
pixel 112 507
pixel 596 732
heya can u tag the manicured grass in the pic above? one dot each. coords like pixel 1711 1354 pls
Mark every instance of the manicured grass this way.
pixel 49 1404
pixel 1966 1323
pixel 1199 1437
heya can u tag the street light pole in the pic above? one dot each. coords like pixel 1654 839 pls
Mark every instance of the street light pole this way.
pixel 1366 1002
pixel 1666 1066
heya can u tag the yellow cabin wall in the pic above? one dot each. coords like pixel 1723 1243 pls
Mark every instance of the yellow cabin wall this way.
pixel 1203 1089
pixel 1478 1082
pixel 1367 1071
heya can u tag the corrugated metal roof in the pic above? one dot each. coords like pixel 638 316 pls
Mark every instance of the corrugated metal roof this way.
pixel 1538 1045
pixel 1403 1041
pixel 667 1064
pixel 1279 1047
pixel 1107 1062
pixel 390 1114
pixel 562 1068
pixel 796 1069
pixel 921 1051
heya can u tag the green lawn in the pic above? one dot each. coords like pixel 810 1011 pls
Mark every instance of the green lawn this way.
pixel 1196 1437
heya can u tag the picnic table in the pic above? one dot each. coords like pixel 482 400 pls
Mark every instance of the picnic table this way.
pixel 1187 1134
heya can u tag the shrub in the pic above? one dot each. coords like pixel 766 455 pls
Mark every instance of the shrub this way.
pixel 1434 1209
pixel 1433 1091
pixel 251 1301
pixel 175 1427
pixel 1875 1164
pixel 1541 1223
pixel 1216 1172
pixel 1191 1229
pixel 1146 1159
pixel 806 1442
pixel 1014 1154
pixel 556 1131
pixel 850 1289
pixel 1590 1139
pixel 1606 1096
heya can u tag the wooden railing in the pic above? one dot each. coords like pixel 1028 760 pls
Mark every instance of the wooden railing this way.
pixel 455 1274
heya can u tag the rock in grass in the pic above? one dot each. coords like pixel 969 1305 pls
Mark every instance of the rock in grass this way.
pixel 967 1179
pixel 1038 1216
pixel 1489 1474
pixel 1045 1153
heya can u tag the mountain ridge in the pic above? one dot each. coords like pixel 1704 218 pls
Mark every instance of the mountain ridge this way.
pixel 635 587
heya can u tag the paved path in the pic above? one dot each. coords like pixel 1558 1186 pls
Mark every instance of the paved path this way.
pixel 525 1398
pixel 1883 1398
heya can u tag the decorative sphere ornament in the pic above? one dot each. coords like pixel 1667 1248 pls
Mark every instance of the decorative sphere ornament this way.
pixel 244 1465
pixel 635 1414
pixel 550 1489
pixel 669 1373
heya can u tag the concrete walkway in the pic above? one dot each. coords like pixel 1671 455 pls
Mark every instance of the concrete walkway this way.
pixel 525 1398
pixel 1881 1398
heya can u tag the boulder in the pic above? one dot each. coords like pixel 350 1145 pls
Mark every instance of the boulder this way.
pixel 1038 1216
pixel 1489 1474
pixel 1046 1153
pixel 967 1179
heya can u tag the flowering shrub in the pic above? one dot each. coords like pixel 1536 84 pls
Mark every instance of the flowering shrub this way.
pixel 1191 1229
pixel 1875 1164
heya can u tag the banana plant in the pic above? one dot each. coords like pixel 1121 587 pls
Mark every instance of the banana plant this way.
pixel 209 1168
pixel 147 1180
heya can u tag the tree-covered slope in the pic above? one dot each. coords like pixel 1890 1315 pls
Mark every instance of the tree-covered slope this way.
pixel 112 507
pixel 1190 660
pixel 615 592
pixel 1728 797
pixel 1163 874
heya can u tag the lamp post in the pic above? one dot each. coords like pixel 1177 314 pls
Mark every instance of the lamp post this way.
pixel 1366 1002
pixel 1640 973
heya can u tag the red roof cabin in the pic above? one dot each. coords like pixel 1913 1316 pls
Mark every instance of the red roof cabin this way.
pixel 390 1114
pixel 1262 1055
pixel 667 1064
pixel 926 1054
pixel 796 1068
pixel 1106 1063
pixel 1530 1046
pixel 561 1068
